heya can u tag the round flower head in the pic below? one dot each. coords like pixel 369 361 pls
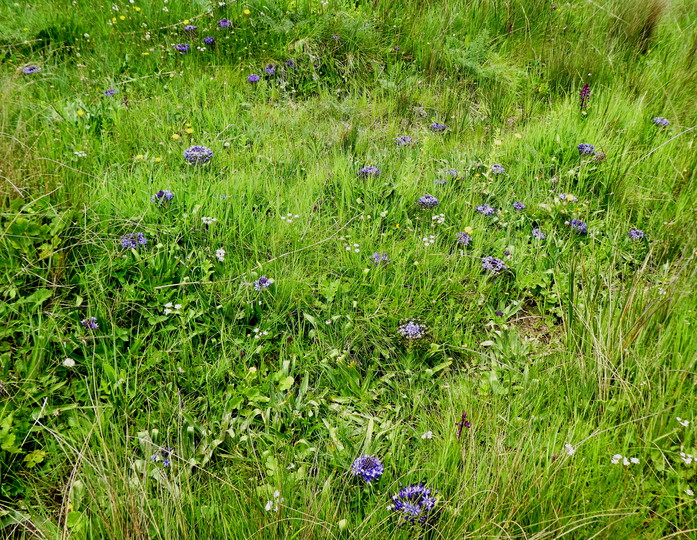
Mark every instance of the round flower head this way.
pixel 262 283
pixel 224 23
pixel 182 47
pixel 334 36
pixel 497 169
pixel 404 140
pixel 209 40
pixel 270 69
pixel 636 234
pixel 416 505
pixel 493 265
pixel 369 468
pixel 579 226
pixel 463 238
pixel 537 233
pixel 290 64
pixel 377 258
pixel 365 172
pixel 190 28
pixel 486 210
pixel 660 121
pixel 586 149
pixel 253 78
pixel 437 127
pixel 518 205
pixel 412 330
pixel 164 195
pixel 198 155
pixel 427 201
pixel 90 323
pixel 110 92
pixel 133 240
pixel 28 70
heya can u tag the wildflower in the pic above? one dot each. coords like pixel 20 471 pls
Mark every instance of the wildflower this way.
pixel 586 149
pixel 334 36
pixel 110 92
pixel 270 69
pixel 369 468
pixel 365 172
pixel 437 219
pixel 687 458
pixel 163 456
pixel 288 218
pixel 207 220
pixel 437 127
pixel 496 168
pixel 253 78
pixel 290 64
pixel 570 450
pixel 518 205
pixel 498 313
pixel 182 47
pixel 133 240
pixel 567 197
pixel 616 459
pixel 463 423
pixel 683 423
pixel 657 121
pixel 429 240
pixel 404 140
pixel 486 210
pixel 80 153
pixel 493 265
pixel 537 233
pixel 354 247
pixel 412 330
pixel 273 504
pixel 28 70
pixel 220 254
pixel 190 28
pixel 626 461
pixel 416 505
pixel 427 435
pixel 259 333
pixel 262 283
pixel 451 172
pixel 224 23
pixel 440 182
pixel 69 362
pixel 172 308
pixel 636 234
pixel 377 258
pixel 463 238
pixel 90 323
pixel 198 155
pixel 427 201
pixel 162 196
pixel 689 492
pixel 579 226
pixel 584 95
pixel 209 40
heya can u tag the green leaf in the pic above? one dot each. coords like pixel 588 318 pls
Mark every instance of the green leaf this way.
pixel 286 383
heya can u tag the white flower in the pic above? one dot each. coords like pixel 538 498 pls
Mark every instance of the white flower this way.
pixel 437 218
pixel 69 362
pixel 570 450
pixel 208 220
pixel 165 10
pixel 80 153
pixel 689 492
pixel 683 423
pixel 427 435
pixel 269 506
pixel 634 460
pixel 220 254
pixel 687 458
pixel 616 459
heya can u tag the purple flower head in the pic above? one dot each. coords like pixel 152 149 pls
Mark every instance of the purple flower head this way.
pixel 396 48
pixel 463 238
pixel 486 210
pixel 365 172
pixel 224 23
pixel 28 70
pixel 253 78
pixel 182 47
pixel 190 28
pixel 416 505
pixel 493 265
pixel 404 140
pixel 198 155
pixel 506 253
pixel 463 423
pixel 133 240
pixel 427 201
pixel 584 95
pixel 451 172
pixel 369 468
pixel 660 121
pixel 579 226
pixel 585 149
pixel 498 313
pixel 262 283
pixel 636 234
pixel 334 36
pixel 378 258
pixel 537 233
pixel 497 168
pixel 518 205
pixel 110 92
pixel 290 64
pixel 270 69
pixel 90 323
pixel 437 127
pixel 162 196
pixel 412 330
pixel 209 40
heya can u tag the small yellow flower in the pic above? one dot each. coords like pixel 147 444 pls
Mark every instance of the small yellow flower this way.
pixel 469 230
pixel 122 17
pixel 189 130
pixel 186 21
pixel 247 12
pixel 518 136
pixel 146 54
pixel 25 29
pixel 396 225
pixel 113 19
pixel 498 142
pixel 187 125
pixel 476 175
pixel 80 112
pixel 176 136
pixel 140 156
pixel 136 8
pixel 157 159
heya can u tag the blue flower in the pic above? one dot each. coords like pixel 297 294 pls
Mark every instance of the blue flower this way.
pixel 537 233
pixel 463 238
pixel 28 70
pixel 586 149
pixel 486 209
pixel 404 140
pixel 182 47
pixel 636 234
pixel 270 69
pixel 253 78
pixel 262 283
pixel 110 92
pixel 90 323
pixel 133 240
pixel 164 195
pixel 377 258
pixel 412 330
pixel 497 169
pixel 416 504
pixel 209 40
pixel 198 155
pixel 579 226
pixel 493 265
pixel 365 172
pixel 190 28
pixel 658 121
pixel 224 23
pixel 427 201
pixel 369 468
pixel 437 127
pixel 518 205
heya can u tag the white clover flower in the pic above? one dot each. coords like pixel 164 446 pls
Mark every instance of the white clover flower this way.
pixel 220 254
pixel 69 362
pixel 427 435
pixel 570 450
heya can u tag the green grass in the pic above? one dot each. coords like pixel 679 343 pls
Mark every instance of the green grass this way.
pixel 595 348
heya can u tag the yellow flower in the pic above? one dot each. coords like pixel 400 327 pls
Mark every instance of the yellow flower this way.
pixel 122 17
pixel 25 29
pixel 113 19
pixel 80 112
pixel 157 159
pixel 176 136
pixel 396 225
pixel 187 125
pixel 518 136
pixel 136 8
pixel 146 54
pixel 186 21
pixel 247 12
pixel 189 130
pixel 140 156
pixel 469 230
pixel 476 175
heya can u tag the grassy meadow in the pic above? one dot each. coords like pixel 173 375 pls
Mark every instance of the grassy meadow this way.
pixel 201 347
